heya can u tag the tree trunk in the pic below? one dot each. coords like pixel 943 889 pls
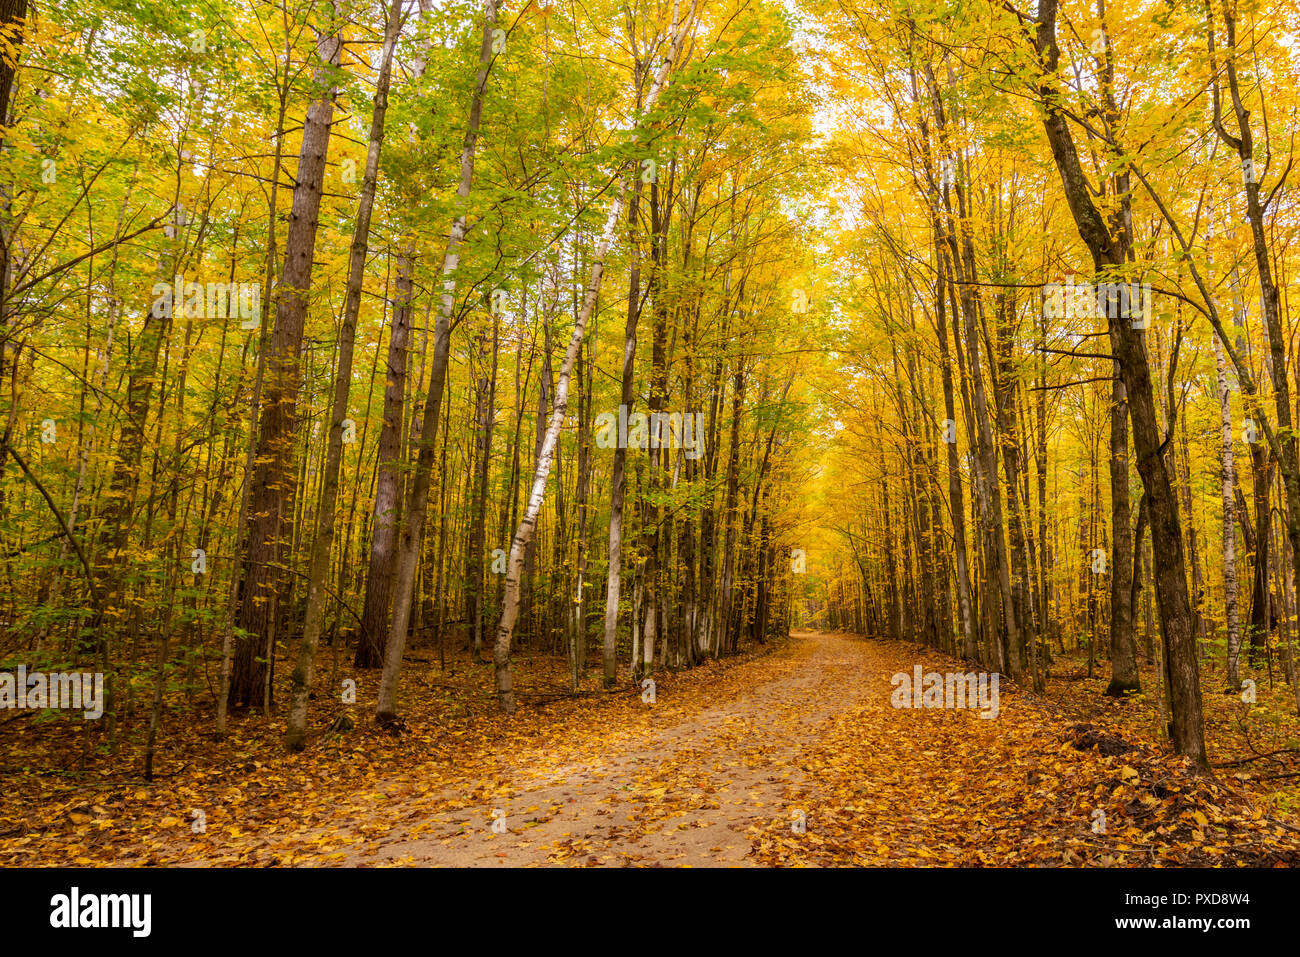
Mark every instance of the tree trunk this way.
pixel 408 549
pixel 1169 565
pixel 1229 523
pixel 386 514
pixel 527 526
pixel 618 480
pixel 1124 677
pixel 318 569
pixel 273 483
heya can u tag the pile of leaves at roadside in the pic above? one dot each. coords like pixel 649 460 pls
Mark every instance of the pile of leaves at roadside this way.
pixel 1033 787
pixel 244 801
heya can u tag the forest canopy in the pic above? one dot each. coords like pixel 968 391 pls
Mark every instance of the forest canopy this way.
pixel 345 344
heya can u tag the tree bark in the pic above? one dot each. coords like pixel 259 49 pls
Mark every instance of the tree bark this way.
pixel 1169 565
pixel 273 483
pixel 318 569
pixel 527 525
pixel 386 513
pixel 408 549
pixel 1229 523
pixel 1124 676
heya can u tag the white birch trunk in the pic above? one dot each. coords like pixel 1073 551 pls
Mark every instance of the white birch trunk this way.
pixel 1229 523
pixel 527 526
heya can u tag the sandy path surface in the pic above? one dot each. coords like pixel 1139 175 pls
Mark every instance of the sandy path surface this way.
pixel 687 794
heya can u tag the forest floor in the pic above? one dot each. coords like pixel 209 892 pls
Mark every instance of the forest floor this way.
pixel 791 755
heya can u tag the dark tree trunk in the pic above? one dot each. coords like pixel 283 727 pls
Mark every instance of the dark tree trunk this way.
pixel 1112 250
pixel 273 483
pixel 386 514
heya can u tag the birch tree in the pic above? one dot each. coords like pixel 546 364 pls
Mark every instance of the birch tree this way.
pixel 527 525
